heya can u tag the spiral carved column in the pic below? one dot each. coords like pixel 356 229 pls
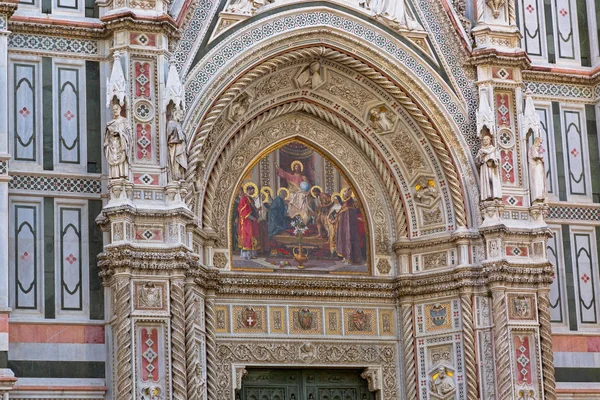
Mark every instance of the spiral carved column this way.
pixel 211 345
pixel 502 344
pixel 408 341
pixel 123 338
pixel 469 346
pixel 178 339
pixel 546 346
pixel 191 349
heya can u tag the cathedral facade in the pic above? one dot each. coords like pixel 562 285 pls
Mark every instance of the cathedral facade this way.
pixel 299 200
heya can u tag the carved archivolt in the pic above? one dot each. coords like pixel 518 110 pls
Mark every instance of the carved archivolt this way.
pixel 284 123
pixel 232 354
pixel 214 124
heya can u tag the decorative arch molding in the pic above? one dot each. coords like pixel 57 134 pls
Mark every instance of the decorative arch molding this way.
pixel 205 137
pixel 282 124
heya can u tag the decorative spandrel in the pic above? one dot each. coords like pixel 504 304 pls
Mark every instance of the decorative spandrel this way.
pixel 295 210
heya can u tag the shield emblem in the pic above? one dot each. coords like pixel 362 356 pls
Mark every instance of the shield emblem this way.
pixel 305 318
pixel 249 318
pixel 438 314
pixel 360 319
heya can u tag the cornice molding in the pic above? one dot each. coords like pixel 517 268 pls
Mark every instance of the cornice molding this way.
pixel 129 20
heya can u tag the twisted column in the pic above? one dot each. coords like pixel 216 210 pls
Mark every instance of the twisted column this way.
pixel 123 338
pixel 546 346
pixel 501 345
pixel 408 341
pixel 191 347
pixel 469 346
pixel 178 339
pixel 211 345
pixel 512 14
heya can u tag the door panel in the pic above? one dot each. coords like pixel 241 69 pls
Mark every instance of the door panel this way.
pixel 291 384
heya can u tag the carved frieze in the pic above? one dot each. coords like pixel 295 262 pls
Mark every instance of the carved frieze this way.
pixel 305 354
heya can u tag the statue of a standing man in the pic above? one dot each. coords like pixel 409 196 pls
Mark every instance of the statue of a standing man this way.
pixel 488 160
pixel 176 141
pixel 537 171
pixel 117 145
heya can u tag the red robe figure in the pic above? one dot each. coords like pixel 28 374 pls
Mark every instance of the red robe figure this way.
pixel 248 225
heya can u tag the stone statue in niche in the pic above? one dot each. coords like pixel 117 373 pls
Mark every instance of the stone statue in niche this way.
pixel 442 383
pixel 488 160
pixel 310 77
pixel 537 172
pixel 117 144
pixel 393 13
pixel 177 143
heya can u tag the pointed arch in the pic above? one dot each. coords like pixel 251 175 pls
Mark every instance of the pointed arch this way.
pixel 454 172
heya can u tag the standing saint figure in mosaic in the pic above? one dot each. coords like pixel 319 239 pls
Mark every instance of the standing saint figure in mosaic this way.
pixel 489 173
pixel 248 223
pixel 117 144
pixel 176 140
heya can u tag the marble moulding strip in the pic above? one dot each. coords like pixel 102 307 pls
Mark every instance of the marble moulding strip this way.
pixel 574 212
pixel 52 43
pixel 575 343
pixel 21 332
pixel 55 184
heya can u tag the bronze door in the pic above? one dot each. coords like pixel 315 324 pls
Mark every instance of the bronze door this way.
pixel 293 384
